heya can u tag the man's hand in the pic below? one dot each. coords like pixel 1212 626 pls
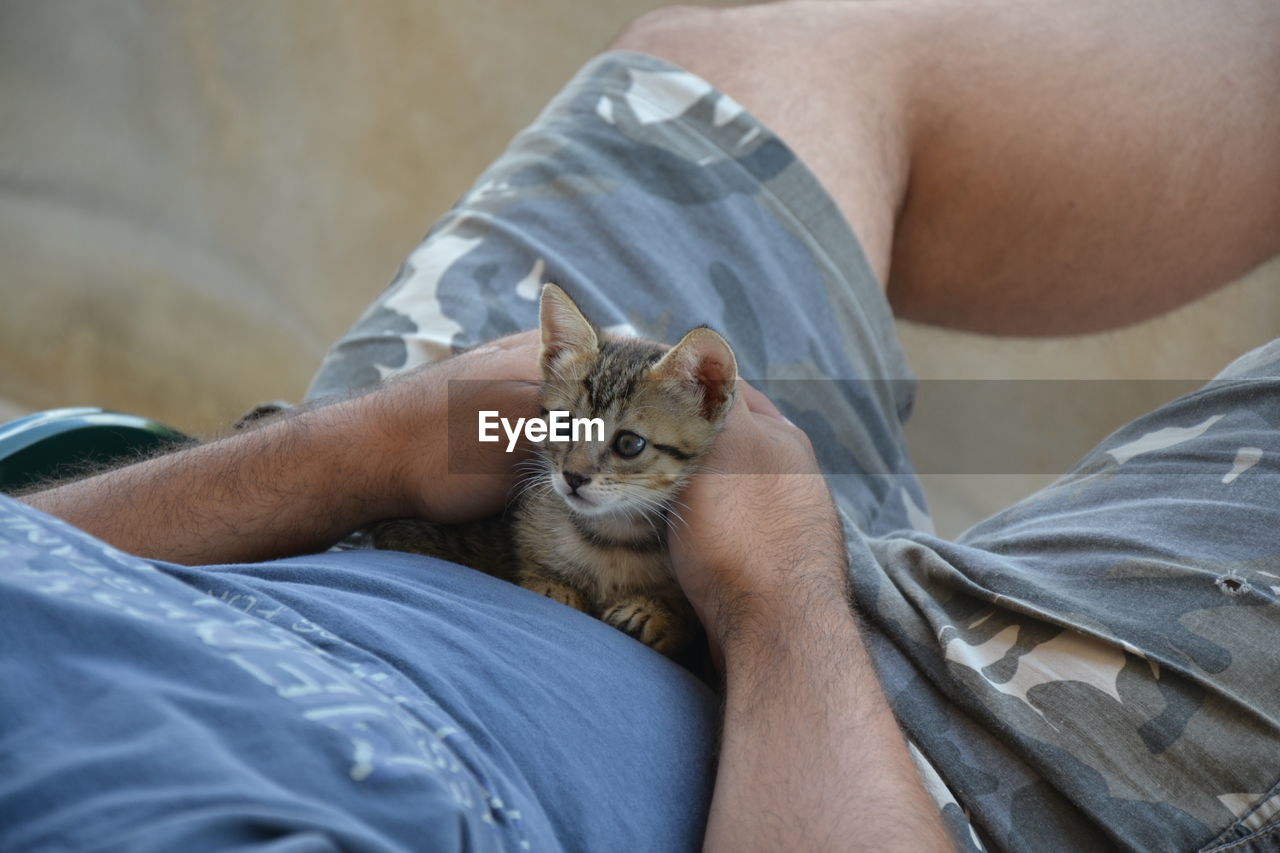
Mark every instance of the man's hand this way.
pixel 811 758
pixel 443 473
pixel 301 483
pixel 760 533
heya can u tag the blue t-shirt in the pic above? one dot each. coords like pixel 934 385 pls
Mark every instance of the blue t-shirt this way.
pixel 360 700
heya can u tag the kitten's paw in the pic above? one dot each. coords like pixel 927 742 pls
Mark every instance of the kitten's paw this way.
pixel 649 620
pixel 556 591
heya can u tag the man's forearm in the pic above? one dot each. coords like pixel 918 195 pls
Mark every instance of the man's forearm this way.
pixel 288 487
pixel 812 758
pixel 300 484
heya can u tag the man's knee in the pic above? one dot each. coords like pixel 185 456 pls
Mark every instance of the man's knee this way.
pixel 673 33
pixel 825 75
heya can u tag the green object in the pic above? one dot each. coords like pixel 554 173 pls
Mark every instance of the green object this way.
pixel 64 442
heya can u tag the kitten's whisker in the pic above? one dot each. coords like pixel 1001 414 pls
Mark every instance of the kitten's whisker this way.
pixel 674 502
pixel 657 510
pixel 530 485
pixel 653 525
pixel 642 504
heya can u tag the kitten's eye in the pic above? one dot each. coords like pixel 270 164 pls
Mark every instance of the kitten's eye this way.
pixel 628 445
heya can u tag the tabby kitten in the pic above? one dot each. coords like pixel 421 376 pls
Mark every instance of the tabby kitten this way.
pixel 590 529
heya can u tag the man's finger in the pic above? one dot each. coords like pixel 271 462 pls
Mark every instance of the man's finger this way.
pixel 758 403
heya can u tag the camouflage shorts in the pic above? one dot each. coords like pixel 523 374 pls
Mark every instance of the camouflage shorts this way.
pixel 1094 668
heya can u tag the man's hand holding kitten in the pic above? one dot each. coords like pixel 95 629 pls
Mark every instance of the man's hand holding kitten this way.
pixel 809 748
pixel 762 544
pixel 758 540
pixel 758 526
pixel 758 529
pixel 417 414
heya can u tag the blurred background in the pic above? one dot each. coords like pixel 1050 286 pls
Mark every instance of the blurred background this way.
pixel 196 198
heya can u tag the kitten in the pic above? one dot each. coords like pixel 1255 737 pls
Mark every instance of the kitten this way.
pixel 590 530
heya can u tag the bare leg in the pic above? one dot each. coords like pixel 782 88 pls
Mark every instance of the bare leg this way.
pixel 1019 168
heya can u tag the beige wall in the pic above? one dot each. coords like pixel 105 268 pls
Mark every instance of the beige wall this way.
pixel 196 197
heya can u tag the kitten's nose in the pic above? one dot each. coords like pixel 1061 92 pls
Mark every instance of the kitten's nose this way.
pixel 575 480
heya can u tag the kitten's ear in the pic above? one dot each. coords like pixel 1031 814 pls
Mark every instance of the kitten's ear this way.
pixel 702 359
pixel 564 330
